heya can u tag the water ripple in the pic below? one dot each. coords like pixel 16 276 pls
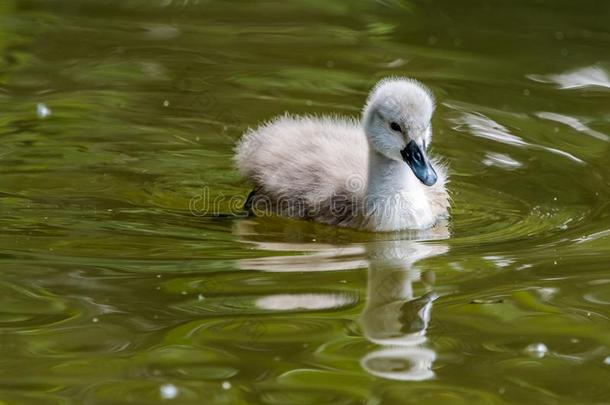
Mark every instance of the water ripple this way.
pixel 589 76
pixel 484 127
pixel 573 123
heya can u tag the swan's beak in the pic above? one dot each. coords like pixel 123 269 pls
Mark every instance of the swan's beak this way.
pixel 418 162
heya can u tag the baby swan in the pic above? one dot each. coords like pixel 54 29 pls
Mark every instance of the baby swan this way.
pixel 372 174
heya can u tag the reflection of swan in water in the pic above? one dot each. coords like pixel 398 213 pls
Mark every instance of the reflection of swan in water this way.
pixel 392 318
pixel 319 257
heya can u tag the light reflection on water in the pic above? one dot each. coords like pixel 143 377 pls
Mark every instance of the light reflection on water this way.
pixel 589 76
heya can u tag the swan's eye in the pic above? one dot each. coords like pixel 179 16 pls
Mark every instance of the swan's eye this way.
pixel 395 127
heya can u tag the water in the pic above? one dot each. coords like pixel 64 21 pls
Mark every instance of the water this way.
pixel 117 123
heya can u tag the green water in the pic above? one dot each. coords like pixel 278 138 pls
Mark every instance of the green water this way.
pixel 117 123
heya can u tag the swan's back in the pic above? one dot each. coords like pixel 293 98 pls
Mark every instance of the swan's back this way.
pixel 304 166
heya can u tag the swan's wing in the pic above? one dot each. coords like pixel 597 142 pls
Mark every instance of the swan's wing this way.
pixel 310 159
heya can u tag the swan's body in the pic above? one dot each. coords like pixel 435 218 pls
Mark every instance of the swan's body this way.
pixel 344 172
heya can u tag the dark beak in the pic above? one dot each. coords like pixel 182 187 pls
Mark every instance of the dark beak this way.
pixel 419 163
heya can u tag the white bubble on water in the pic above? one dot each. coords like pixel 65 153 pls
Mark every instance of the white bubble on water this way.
pixel 168 391
pixel 537 350
pixel 42 110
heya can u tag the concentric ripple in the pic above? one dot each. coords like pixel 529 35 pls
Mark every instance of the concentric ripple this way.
pixel 487 215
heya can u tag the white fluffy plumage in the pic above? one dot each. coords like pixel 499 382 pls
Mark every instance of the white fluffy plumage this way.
pixel 348 172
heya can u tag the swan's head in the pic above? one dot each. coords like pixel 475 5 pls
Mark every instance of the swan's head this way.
pixel 396 119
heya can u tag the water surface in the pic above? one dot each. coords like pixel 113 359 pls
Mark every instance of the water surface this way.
pixel 117 123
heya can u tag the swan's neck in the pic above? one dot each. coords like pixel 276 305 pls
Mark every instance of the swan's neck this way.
pixel 395 197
